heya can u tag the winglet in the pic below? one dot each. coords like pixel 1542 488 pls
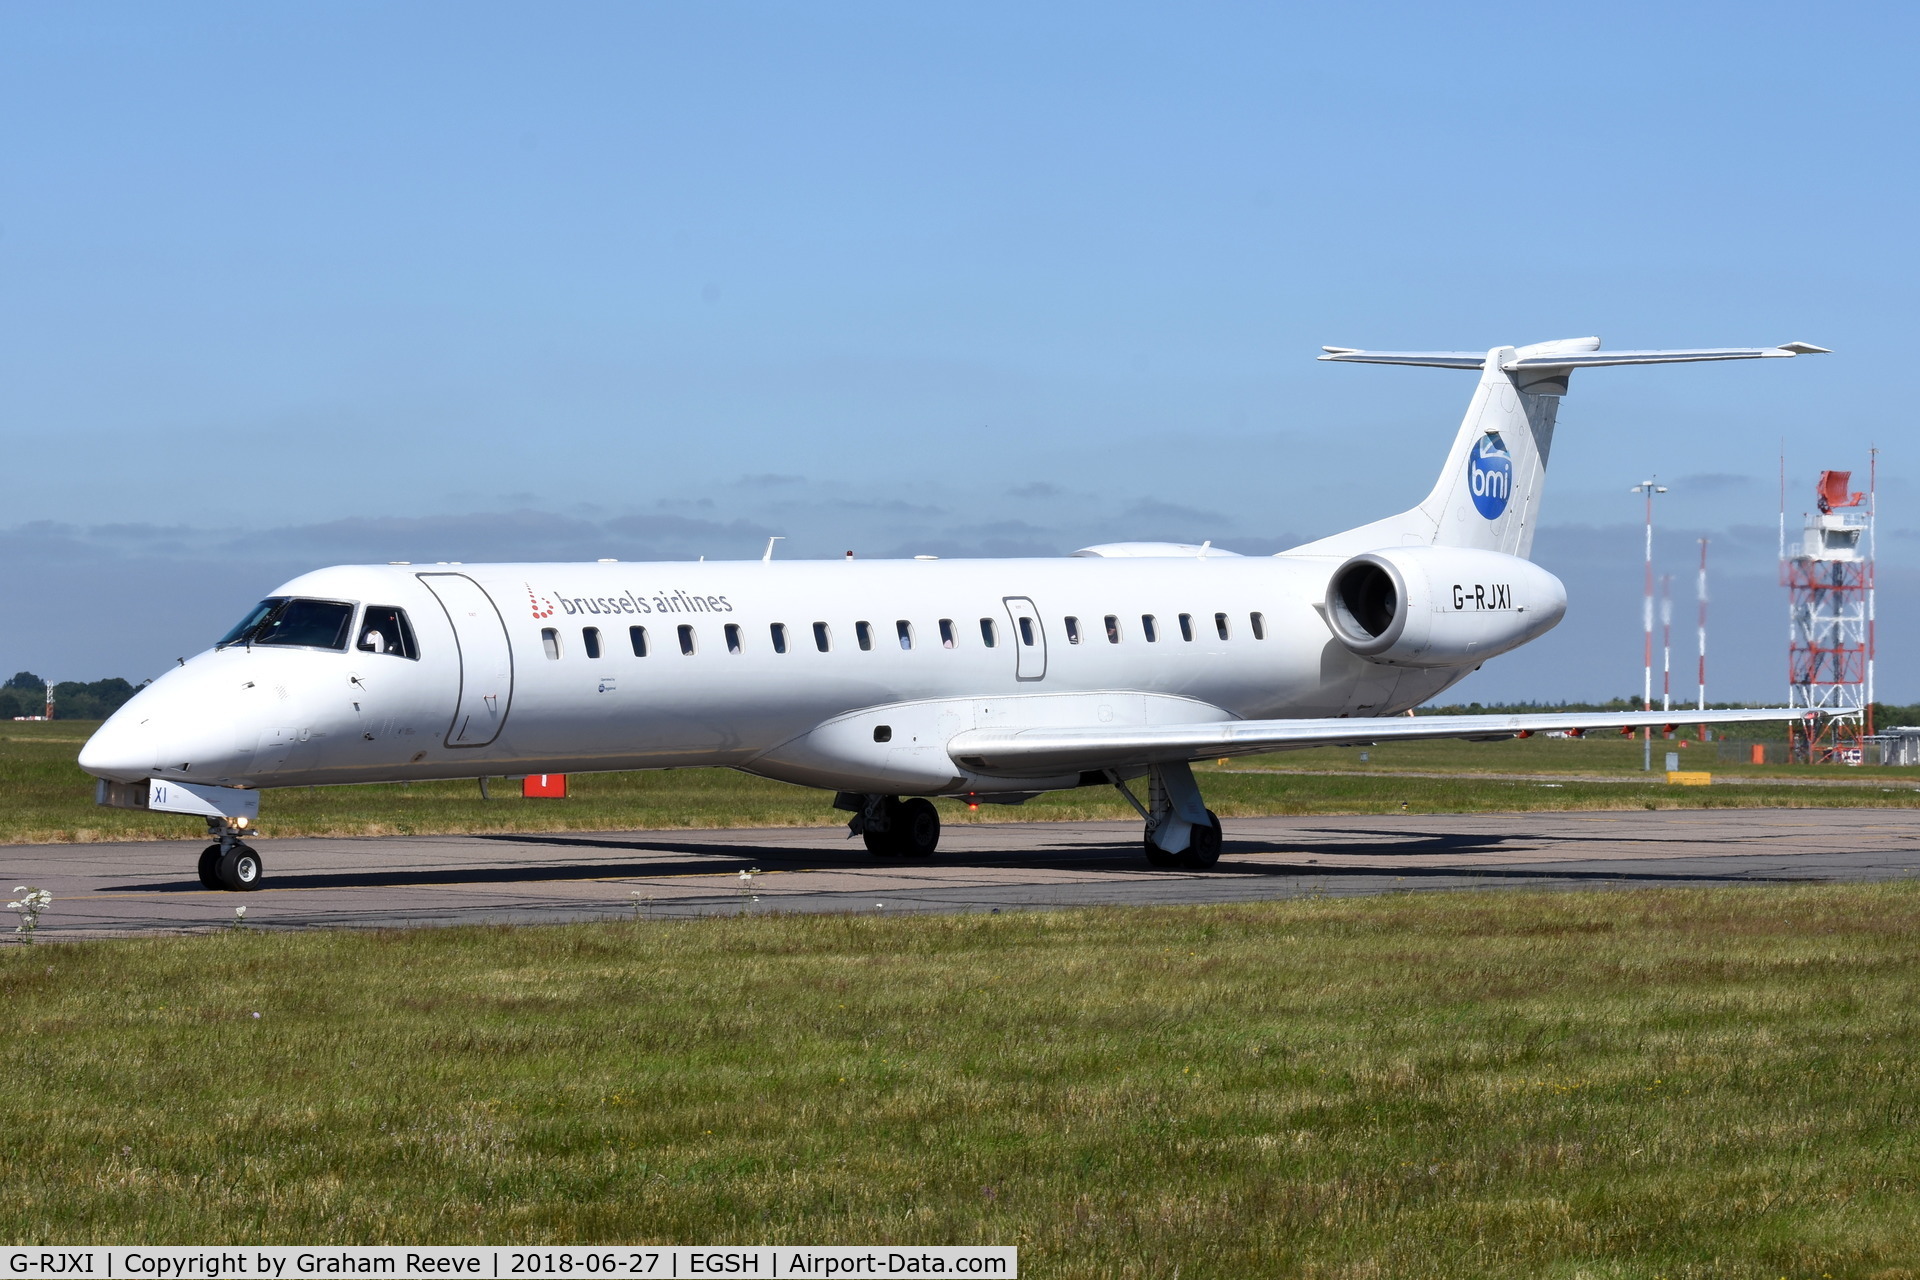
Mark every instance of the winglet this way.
pixel 1805 349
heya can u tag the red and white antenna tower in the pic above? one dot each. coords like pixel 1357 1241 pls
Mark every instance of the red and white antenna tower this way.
pixel 1666 642
pixel 1830 610
pixel 1702 591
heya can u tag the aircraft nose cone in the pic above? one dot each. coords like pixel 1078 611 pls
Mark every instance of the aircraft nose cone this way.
pixel 121 750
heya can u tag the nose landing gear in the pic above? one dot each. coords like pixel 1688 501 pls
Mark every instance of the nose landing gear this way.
pixel 228 863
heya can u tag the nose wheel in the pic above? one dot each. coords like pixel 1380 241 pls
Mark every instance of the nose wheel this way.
pixel 230 864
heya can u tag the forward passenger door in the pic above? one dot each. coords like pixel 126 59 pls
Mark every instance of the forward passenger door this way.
pixel 486 659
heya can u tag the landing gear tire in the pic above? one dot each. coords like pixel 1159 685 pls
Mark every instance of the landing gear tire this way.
pixel 885 843
pixel 209 867
pixel 916 829
pixel 239 869
pixel 912 830
pixel 1202 851
pixel 1158 857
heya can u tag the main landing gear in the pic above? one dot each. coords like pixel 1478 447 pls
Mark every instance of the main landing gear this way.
pixel 892 827
pixel 1181 830
pixel 227 863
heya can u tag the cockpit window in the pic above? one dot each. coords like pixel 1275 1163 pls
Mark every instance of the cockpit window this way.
pixel 385 629
pixel 292 622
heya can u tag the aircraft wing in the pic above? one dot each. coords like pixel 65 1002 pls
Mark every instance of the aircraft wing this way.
pixel 1050 752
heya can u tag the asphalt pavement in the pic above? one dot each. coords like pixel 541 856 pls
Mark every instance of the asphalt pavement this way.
pixel 411 881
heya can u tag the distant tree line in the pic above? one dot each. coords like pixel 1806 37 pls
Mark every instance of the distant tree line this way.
pixel 26 695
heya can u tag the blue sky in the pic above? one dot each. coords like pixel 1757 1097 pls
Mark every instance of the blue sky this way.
pixel 294 284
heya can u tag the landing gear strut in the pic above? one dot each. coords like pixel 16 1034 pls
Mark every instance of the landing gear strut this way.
pixel 228 863
pixel 892 827
pixel 1181 830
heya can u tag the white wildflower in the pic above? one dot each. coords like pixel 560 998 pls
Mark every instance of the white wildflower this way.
pixel 30 904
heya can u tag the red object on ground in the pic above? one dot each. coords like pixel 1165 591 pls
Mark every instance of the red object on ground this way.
pixel 1759 753
pixel 544 785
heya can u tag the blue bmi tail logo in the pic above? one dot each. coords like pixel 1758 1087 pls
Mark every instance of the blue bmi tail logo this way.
pixel 1490 475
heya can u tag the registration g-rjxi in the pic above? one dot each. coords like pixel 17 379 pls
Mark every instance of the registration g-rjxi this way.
pixel 890 683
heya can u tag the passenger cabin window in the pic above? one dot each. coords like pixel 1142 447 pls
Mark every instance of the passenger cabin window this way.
pixel 1026 632
pixel 1147 629
pixel 1220 624
pixel 946 633
pixel 1259 623
pixel 863 633
pixel 638 635
pixel 1186 627
pixel 550 641
pixel 590 641
pixel 989 634
pixel 822 637
pixel 686 639
pixel 1113 629
pixel 385 629
pixel 779 632
pixel 1073 630
pixel 733 637
pixel 904 630
pixel 293 623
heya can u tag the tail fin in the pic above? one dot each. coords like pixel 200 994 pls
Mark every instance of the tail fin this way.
pixel 1488 493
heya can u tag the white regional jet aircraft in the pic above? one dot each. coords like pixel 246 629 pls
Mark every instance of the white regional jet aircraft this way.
pixel 992 680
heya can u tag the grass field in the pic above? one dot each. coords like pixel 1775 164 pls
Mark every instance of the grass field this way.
pixel 49 799
pixel 1657 1083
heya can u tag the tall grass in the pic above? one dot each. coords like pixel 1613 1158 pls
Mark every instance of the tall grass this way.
pixel 1657 1083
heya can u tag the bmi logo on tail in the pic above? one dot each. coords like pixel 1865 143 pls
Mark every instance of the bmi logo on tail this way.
pixel 1490 475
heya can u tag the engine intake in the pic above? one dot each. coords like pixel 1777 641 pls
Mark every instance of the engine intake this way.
pixel 1440 606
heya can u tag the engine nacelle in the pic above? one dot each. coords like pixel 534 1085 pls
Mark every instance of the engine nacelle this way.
pixel 1440 606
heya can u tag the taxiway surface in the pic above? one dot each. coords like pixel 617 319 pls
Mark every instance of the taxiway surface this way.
pixel 400 881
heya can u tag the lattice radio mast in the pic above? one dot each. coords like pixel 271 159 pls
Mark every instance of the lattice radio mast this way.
pixel 1830 620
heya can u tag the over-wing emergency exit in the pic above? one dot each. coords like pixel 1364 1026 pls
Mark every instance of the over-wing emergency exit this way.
pixel 890 682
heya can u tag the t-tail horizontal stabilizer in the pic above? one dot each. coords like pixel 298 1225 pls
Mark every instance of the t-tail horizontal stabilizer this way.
pixel 1569 353
pixel 1488 494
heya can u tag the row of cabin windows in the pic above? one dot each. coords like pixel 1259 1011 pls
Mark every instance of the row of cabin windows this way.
pixel 863 634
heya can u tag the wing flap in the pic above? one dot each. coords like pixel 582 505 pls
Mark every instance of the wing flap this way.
pixel 1042 752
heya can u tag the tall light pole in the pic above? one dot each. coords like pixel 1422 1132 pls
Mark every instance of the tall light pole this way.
pixel 1649 488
